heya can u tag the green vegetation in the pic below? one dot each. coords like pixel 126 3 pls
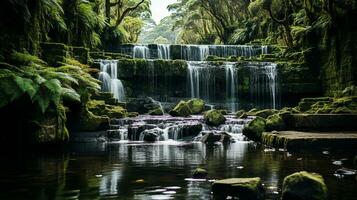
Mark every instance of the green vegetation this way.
pixel 214 117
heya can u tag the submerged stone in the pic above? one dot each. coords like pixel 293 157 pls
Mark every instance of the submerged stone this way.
pixel 304 186
pixel 181 110
pixel 197 106
pixel 244 188
pixel 210 137
pixel 255 128
pixel 214 118
pixel 200 173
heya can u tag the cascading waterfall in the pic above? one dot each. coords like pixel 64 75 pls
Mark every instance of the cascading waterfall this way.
pixel 201 80
pixel 192 52
pixel 163 51
pixel 141 52
pixel 231 84
pixel 263 84
pixel 109 77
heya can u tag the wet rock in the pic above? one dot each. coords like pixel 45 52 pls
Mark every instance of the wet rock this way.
pixel 135 130
pixel 275 122
pixel 197 106
pixel 181 110
pixel 243 116
pixel 190 130
pixel 346 172
pixel 142 105
pixel 132 114
pixel 304 186
pixel 209 137
pixel 157 111
pixel 306 103
pixel 214 118
pixel 100 108
pixel 266 113
pixel 254 129
pixel 200 173
pixel 244 188
pixel 151 135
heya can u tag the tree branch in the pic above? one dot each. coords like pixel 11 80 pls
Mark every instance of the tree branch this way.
pixel 126 12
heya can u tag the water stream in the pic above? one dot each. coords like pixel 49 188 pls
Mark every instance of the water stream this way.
pixel 109 77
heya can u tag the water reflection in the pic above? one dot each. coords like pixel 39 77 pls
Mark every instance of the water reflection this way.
pixel 158 171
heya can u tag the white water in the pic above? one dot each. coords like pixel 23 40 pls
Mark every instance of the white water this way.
pixel 109 77
pixel 141 52
pixel 231 84
pixel 195 52
pixel 201 80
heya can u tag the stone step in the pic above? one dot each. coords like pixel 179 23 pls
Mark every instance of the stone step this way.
pixel 323 122
pixel 297 141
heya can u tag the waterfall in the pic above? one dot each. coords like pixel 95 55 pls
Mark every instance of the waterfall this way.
pixel 231 85
pixel 163 51
pixel 191 52
pixel 109 77
pixel 141 52
pixel 201 80
pixel 263 84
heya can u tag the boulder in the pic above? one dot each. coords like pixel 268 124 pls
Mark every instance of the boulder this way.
pixel 151 135
pixel 200 173
pixel 135 130
pixel 306 103
pixel 209 137
pixel 214 118
pixel 304 186
pixel 197 106
pixel 275 122
pixel 142 105
pixel 254 129
pixel 244 188
pixel 266 113
pixel 100 108
pixel 181 110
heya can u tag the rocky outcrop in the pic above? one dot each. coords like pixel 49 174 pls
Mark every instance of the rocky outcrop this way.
pixel 197 106
pixel 181 110
pixel 142 105
pixel 210 137
pixel 255 128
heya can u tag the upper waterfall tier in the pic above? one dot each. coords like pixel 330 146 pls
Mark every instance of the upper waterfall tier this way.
pixel 190 52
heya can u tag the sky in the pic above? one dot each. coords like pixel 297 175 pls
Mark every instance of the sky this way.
pixel 159 9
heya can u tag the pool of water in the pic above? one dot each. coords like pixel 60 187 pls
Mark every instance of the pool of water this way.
pixel 161 170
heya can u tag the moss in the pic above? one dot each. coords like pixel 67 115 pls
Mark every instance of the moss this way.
pixel 214 118
pixel 102 109
pixel 255 128
pixel 157 111
pixel 275 122
pixel 132 114
pixel 265 113
pixel 305 186
pixel 181 110
pixel 92 122
pixel 252 112
pixel 240 113
pixel 197 106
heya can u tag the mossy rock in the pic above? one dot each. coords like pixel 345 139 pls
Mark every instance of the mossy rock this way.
pixel 157 111
pixel 240 113
pixel 350 91
pixel 255 128
pixel 132 114
pixel 92 122
pixel 252 112
pixel 197 106
pixel 306 103
pixel 214 118
pixel 266 113
pixel 275 122
pixel 244 188
pixel 100 108
pixel 200 173
pixel 181 110
pixel 304 186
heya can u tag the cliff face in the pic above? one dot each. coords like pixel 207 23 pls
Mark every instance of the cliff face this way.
pixel 337 49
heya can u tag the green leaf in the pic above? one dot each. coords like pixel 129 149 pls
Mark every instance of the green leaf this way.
pixel 70 94
pixel 27 86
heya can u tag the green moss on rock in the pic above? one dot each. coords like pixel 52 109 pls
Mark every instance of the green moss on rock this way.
pixel 266 113
pixel 214 117
pixel 102 109
pixel 304 186
pixel 181 110
pixel 275 122
pixel 255 128
pixel 240 113
pixel 157 111
pixel 197 106
pixel 200 173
